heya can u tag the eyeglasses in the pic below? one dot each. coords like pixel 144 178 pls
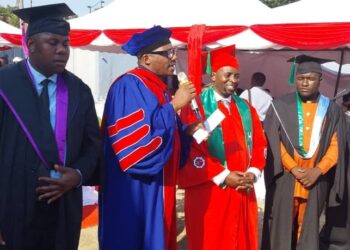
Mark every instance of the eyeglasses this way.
pixel 170 53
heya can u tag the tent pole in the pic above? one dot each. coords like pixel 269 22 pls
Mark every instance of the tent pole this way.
pixel 339 72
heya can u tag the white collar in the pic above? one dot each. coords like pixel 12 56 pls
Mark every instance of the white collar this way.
pixel 39 77
pixel 218 97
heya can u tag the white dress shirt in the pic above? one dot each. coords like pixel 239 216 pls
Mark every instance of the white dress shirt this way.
pixel 260 100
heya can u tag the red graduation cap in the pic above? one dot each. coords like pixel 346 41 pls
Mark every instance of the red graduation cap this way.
pixel 221 57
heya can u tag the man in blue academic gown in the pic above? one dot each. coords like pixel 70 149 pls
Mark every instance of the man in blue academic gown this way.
pixel 142 149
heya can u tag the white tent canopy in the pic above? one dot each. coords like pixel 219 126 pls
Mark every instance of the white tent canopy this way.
pixel 303 11
pixel 7 29
pixel 124 14
pixel 315 12
pixel 183 13
pixel 255 53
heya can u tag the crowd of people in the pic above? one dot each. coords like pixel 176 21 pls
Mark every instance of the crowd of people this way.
pixel 51 144
pixel 4 60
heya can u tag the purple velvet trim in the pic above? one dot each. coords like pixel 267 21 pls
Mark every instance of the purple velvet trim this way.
pixel 30 138
pixel 61 113
pixel 61 117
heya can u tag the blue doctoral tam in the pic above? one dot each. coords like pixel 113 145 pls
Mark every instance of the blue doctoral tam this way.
pixel 147 41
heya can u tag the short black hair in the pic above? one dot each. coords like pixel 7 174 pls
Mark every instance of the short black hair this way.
pixel 5 60
pixel 258 79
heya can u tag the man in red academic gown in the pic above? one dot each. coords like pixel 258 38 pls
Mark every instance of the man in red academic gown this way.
pixel 220 203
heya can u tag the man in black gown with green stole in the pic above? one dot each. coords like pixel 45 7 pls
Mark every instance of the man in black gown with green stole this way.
pixel 306 161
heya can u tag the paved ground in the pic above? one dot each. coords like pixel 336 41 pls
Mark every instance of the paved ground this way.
pixel 88 240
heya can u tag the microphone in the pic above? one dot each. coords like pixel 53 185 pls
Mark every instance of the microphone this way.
pixel 183 79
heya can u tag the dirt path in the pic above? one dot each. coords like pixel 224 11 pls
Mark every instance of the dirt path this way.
pixel 88 239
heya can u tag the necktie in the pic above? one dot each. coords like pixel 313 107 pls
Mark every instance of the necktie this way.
pixel 44 100
pixel 226 103
pixel 47 133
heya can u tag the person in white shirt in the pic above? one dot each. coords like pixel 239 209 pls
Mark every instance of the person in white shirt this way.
pixel 257 96
pixel 260 100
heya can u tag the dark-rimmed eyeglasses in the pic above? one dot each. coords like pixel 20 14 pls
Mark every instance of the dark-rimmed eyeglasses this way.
pixel 170 53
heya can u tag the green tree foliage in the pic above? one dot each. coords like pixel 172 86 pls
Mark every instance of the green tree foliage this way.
pixel 276 3
pixel 7 16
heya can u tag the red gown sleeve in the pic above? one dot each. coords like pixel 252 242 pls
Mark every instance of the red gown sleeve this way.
pixel 200 167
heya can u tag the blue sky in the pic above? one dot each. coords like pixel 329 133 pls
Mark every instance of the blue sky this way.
pixel 80 7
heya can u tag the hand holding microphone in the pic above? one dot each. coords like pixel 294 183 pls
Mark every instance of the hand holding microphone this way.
pixel 185 93
pixel 198 129
pixel 183 81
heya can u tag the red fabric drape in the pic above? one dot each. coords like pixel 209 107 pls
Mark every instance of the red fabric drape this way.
pixel 77 37
pixel 12 38
pixel 195 43
pixel 306 36
pixel 121 36
pixel 4 48
pixel 83 37
pixel 196 36
pixel 211 34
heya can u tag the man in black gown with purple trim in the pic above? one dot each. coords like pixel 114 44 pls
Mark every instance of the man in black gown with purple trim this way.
pixel 49 139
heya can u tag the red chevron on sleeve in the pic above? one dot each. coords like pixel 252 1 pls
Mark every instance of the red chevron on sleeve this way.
pixel 140 153
pixel 131 139
pixel 125 122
